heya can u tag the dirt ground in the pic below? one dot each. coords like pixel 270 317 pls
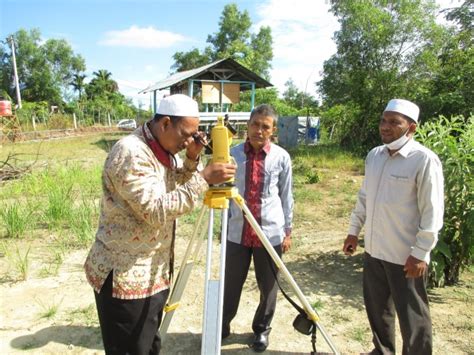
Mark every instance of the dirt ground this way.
pixel 327 278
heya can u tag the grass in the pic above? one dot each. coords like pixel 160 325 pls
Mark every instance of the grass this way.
pixel 360 334
pixel 48 311
pixel 318 305
pixel 16 219
pixel 324 157
pixel 58 151
pixel 21 262
pixel 85 315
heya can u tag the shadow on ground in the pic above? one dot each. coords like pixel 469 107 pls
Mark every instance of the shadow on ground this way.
pixel 181 343
pixel 331 273
pixel 107 142
pixel 77 336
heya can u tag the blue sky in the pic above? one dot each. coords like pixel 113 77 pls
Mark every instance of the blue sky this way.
pixel 135 40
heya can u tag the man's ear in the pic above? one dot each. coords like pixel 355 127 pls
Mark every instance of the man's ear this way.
pixel 412 128
pixel 165 122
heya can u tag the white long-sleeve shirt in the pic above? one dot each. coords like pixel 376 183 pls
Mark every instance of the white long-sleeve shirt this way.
pixel 401 203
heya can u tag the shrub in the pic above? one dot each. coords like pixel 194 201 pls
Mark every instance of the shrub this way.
pixel 453 141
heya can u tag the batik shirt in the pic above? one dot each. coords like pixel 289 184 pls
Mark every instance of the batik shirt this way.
pixel 142 199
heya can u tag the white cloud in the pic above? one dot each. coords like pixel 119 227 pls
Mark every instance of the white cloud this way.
pixel 142 37
pixel 302 33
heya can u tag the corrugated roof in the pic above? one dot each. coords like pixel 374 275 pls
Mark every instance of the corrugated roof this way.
pixel 243 74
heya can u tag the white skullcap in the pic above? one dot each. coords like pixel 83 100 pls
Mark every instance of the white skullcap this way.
pixel 404 107
pixel 178 105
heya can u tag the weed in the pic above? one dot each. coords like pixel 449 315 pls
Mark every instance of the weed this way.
pixel 86 315
pixel 359 334
pixel 48 311
pixel 59 207
pixel 22 263
pixel 16 220
pixel 82 223
pixel 54 264
pixel 318 305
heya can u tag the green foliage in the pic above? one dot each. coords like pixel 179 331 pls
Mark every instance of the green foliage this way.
pixel 44 68
pixel 337 121
pixel 59 121
pixel 189 60
pixel 22 263
pixel 452 139
pixel 47 71
pixel 452 88
pixel 16 219
pixel 270 97
pixel 82 223
pixel 385 49
pixel 324 156
pixel 233 40
pixel 299 99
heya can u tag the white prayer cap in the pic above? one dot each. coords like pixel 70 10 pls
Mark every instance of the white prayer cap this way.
pixel 404 107
pixel 178 105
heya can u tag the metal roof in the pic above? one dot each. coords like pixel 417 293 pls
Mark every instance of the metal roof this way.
pixel 232 70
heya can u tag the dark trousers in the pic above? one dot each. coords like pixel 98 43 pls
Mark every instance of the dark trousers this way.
pixel 388 292
pixel 236 269
pixel 129 326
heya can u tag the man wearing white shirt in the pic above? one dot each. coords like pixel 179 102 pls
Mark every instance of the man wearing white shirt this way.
pixel 401 205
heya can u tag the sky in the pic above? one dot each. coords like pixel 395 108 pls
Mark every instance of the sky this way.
pixel 135 39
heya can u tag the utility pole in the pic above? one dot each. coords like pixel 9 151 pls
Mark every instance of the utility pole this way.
pixel 15 73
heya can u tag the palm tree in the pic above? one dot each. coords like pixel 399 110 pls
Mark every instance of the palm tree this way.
pixel 103 80
pixel 78 83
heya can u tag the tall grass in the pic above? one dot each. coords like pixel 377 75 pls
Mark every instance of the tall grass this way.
pixel 14 219
pixel 83 222
pixel 22 263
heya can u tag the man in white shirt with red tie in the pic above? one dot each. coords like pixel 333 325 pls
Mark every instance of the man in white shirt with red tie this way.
pixel 401 205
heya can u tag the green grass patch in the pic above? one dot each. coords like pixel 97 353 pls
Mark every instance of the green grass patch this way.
pixel 15 218
pixel 86 315
pixel 324 156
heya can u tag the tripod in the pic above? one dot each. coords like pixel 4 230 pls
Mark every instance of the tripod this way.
pixel 218 198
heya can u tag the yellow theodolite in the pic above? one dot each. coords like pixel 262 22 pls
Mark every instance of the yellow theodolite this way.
pixel 221 138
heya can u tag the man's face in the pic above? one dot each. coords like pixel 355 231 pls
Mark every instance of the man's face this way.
pixel 259 130
pixel 392 126
pixel 176 137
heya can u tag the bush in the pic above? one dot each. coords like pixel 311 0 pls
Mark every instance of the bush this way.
pixel 59 121
pixel 453 140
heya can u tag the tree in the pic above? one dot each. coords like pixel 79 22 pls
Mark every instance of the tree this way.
pixel 233 40
pixel 385 49
pixel 78 83
pixel 299 99
pixel 452 89
pixel 45 69
pixel 102 85
pixel 189 60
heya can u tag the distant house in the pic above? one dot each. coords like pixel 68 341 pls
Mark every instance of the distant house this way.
pixel 215 86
